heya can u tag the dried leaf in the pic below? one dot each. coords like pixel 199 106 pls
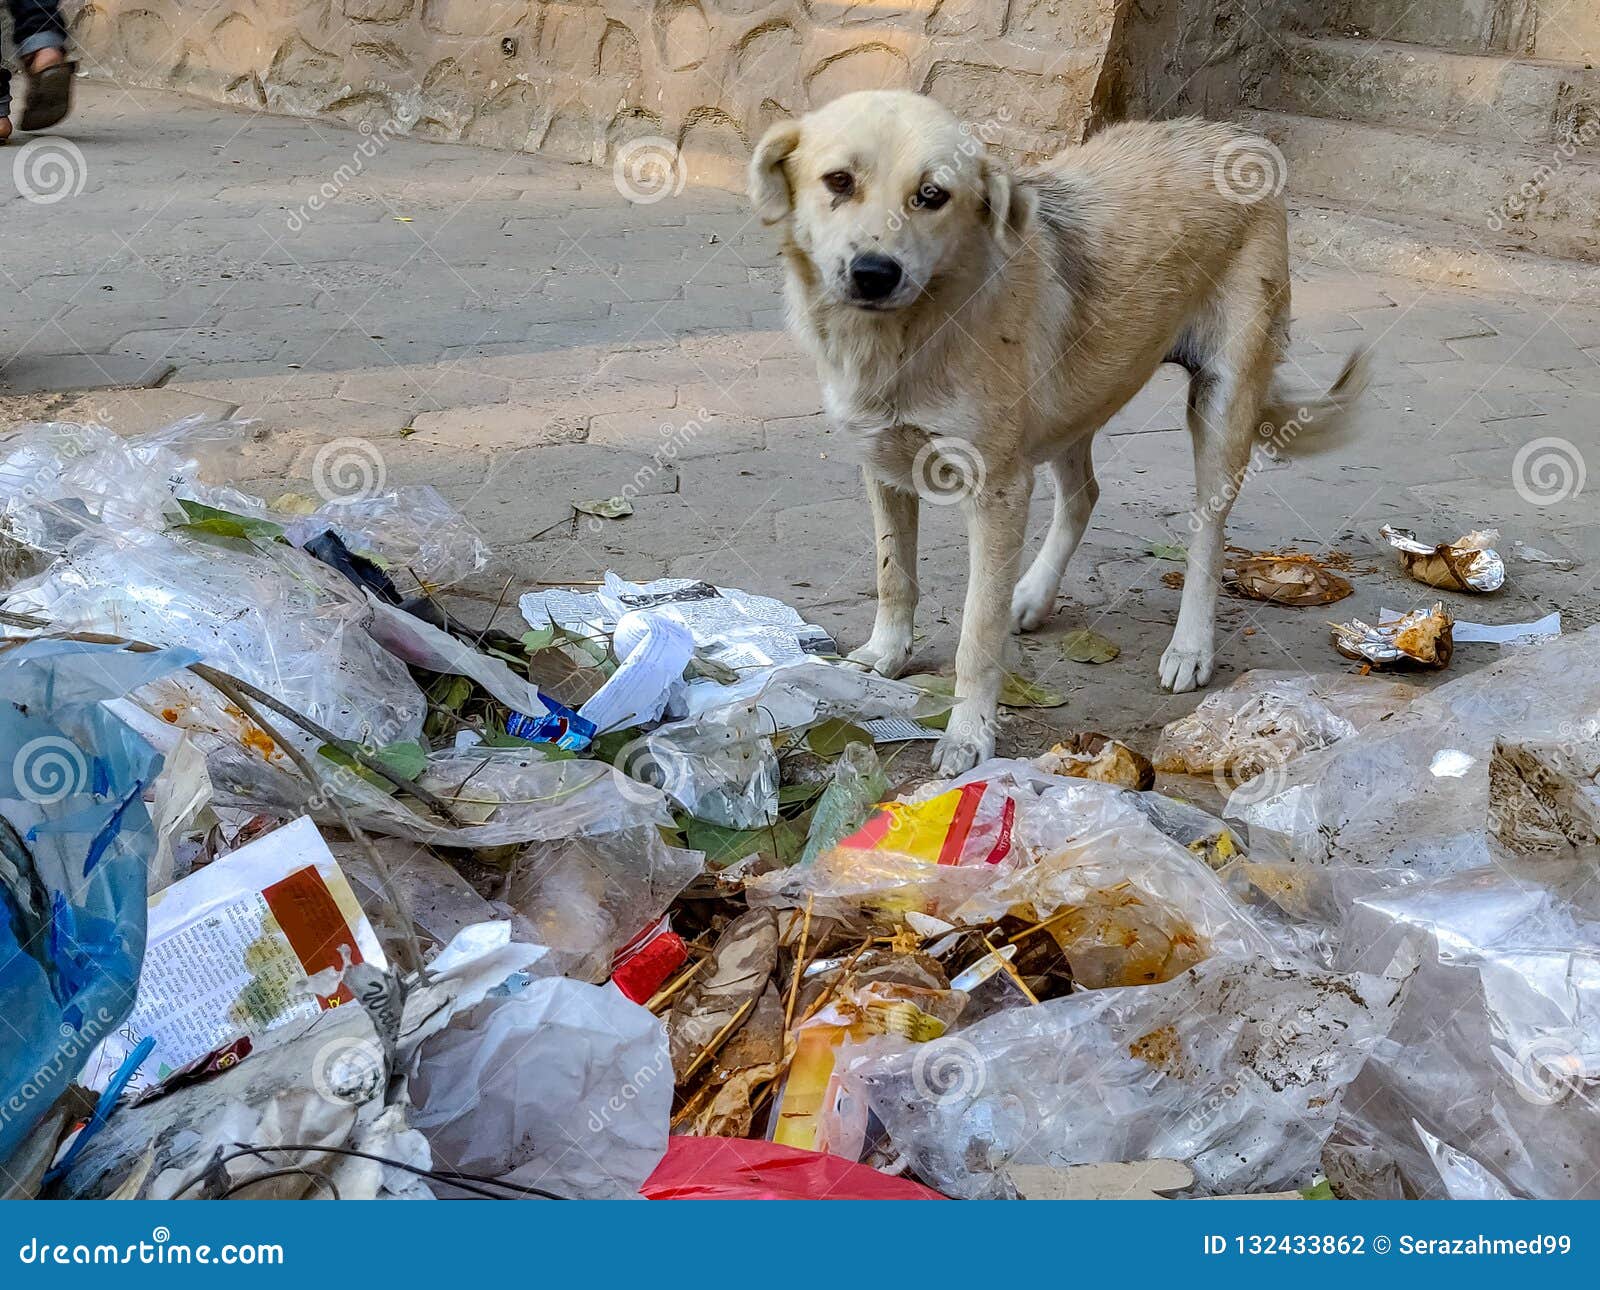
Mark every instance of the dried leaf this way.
pixel 1085 646
pixel 1019 692
pixel 606 508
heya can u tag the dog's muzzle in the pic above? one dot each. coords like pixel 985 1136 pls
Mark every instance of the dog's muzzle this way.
pixel 874 277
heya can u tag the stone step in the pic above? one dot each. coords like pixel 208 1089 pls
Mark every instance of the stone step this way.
pixel 1543 199
pixel 1432 250
pixel 1490 96
pixel 1474 26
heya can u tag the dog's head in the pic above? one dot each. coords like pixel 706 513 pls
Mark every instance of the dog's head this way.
pixel 885 192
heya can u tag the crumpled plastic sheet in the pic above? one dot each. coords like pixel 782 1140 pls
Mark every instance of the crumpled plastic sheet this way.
pixel 1235 1067
pixel 721 765
pixel 587 897
pixel 72 862
pixel 410 527
pixel 1489 1080
pixel 1266 718
pixel 1412 793
pixel 562 1086
pixel 276 618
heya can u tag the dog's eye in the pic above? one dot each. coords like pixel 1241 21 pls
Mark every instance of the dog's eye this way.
pixel 929 197
pixel 839 182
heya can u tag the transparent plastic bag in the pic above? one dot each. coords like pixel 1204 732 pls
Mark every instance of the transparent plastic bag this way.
pixel 1264 719
pixel 1236 1068
pixel 1495 1051
pixel 274 617
pixel 1414 792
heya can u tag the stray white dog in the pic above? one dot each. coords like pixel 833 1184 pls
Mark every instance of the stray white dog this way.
pixel 969 323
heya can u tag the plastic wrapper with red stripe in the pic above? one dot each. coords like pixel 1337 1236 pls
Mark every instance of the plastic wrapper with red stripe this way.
pixel 926 854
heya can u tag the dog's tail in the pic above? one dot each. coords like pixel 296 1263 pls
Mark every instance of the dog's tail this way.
pixel 1295 423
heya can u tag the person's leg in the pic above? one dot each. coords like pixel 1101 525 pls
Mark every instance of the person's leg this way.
pixel 41 38
pixel 40 33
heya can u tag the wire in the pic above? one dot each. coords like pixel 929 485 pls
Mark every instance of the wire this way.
pixel 291 1171
pixel 464 1181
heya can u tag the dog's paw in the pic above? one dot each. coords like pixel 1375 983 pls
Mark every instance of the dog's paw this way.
pixel 1031 604
pixel 1185 668
pixel 885 655
pixel 965 743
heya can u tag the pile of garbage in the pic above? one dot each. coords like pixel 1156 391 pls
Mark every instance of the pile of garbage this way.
pixel 313 889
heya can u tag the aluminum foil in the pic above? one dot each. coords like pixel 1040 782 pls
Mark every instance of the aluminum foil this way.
pixel 1421 638
pixel 1469 563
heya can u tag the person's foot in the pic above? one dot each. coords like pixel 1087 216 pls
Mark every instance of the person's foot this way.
pixel 49 89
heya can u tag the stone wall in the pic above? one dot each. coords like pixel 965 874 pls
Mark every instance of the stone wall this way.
pixel 579 80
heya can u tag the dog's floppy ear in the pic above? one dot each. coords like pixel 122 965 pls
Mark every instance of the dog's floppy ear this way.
pixel 1009 205
pixel 769 186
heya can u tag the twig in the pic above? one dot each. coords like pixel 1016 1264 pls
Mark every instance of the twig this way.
pixel 668 992
pixel 717 1040
pixel 500 600
pixel 799 964
pixel 1010 971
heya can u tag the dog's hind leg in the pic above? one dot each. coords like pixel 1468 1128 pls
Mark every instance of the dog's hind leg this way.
pixel 1077 490
pixel 1225 400
pixel 894 524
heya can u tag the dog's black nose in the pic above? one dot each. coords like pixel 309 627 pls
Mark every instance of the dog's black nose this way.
pixel 874 276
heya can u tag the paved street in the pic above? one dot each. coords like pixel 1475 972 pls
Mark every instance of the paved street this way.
pixel 518 333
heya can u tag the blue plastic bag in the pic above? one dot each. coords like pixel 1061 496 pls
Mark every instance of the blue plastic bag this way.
pixel 75 844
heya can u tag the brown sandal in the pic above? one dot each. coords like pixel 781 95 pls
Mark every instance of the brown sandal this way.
pixel 49 97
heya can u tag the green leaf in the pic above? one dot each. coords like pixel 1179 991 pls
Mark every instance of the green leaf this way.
pixel 606 508
pixel 1164 551
pixel 218 523
pixel 1319 1190
pixel 1019 692
pixel 785 840
pixel 831 737
pixel 790 794
pixel 540 638
pixel 406 758
pixel 341 758
pixel 1085 646
pixel 450 693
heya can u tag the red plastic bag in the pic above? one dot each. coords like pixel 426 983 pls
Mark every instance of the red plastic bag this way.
pixel 744 1169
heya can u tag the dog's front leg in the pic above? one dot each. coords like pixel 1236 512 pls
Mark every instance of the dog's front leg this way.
pixel 997 514
pixel 894 524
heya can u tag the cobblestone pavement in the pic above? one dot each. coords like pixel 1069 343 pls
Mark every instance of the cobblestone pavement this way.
pixel 520 334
